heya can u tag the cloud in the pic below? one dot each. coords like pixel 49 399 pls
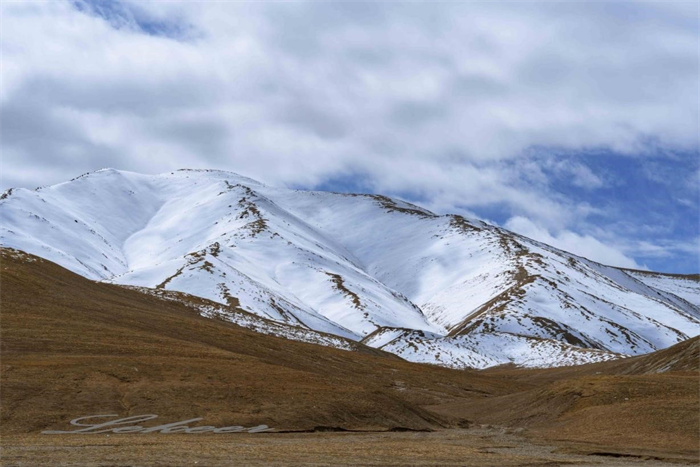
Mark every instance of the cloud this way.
pixel 134 18
pixel 582 245
pixel 451 104
pixel 578 174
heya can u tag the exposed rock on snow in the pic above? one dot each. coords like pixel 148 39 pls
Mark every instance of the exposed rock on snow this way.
pixel 437 289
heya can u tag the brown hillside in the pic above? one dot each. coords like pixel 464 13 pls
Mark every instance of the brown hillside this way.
pixel 73 347
pixel 649 403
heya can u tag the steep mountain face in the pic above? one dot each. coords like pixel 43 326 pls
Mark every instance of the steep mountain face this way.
pixel 436 289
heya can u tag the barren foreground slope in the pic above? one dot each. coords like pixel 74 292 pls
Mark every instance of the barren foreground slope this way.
pixel 73 347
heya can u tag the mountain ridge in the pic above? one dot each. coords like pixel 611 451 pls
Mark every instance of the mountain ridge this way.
pixel 469 294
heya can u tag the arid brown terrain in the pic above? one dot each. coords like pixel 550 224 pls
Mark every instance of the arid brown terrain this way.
pixel 72 347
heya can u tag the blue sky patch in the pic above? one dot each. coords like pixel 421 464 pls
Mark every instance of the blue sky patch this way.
pixel 121 15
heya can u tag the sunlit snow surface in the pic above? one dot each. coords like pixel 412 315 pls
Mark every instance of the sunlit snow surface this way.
pixel 435 289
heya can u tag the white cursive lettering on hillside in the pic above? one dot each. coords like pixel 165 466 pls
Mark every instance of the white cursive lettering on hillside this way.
pixel 128 425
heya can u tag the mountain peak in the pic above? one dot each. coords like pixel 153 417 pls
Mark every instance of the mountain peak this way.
pixel 216 174
pixel 436 289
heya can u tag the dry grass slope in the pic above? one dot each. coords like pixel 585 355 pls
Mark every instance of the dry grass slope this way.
pixel 645 404
pixel 74 347
pixel 71 346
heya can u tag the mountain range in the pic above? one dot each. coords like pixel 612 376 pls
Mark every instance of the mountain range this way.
pixel 339 269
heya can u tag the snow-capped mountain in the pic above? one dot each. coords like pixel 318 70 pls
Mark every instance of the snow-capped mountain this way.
pixel 429 288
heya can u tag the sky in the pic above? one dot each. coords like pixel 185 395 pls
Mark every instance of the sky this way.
pixel 575 123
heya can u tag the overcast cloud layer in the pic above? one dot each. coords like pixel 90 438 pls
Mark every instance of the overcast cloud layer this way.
pixel 573 123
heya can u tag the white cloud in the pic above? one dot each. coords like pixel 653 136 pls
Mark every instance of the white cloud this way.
pixel 441 102
pixel 578 174
pixel 582 245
